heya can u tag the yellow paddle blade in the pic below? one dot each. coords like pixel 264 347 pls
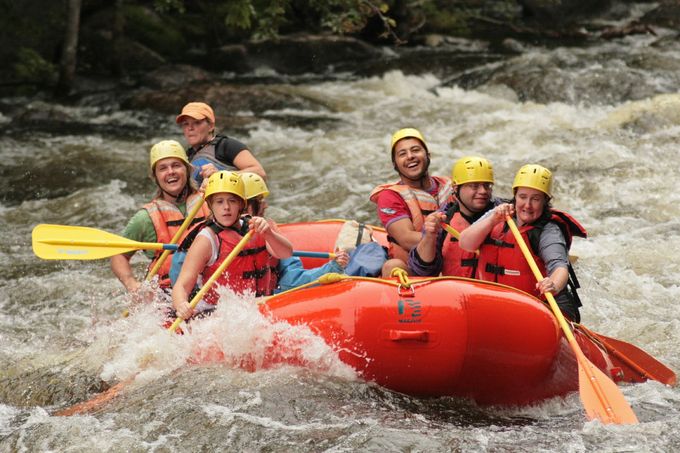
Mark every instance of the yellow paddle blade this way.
pixel 602 398
pixel 63 242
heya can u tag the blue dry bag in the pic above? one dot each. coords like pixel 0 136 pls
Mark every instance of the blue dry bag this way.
pixel 366 260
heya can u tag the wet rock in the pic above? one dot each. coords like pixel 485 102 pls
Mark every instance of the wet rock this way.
pixel 177 75
pixel 225 99
pixel 562 11
pixel 47 387
pixel 297 54
pixel 666 14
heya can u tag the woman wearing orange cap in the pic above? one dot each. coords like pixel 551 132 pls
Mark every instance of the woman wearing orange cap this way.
pixel 210 152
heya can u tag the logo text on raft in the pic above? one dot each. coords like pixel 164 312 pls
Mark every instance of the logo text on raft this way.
pixel 409 311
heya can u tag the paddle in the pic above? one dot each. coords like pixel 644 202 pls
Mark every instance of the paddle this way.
pixel 601 397
pixel 63 242
pixel 227 261
pixel 638 365
pixel 449 229
pixel 175 239
pixel 453 232
pixel 304 254
pixel 96 401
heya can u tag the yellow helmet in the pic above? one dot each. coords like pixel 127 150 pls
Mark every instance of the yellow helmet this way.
pixel 226 182
pixel 165 149
pixel 535 177
pixel 255 185
pixel 407 132
pixel 471 169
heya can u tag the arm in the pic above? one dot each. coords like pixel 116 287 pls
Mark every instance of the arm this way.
pixel 277 244
pixel 120 265
pixel 245 161
pixel 427 246
pixel 395 215
pixel 555 282
pixel 197 258
pixel 553 251
pixel 404 233
pixel 430 267
pixel 139 228
pixel 473 236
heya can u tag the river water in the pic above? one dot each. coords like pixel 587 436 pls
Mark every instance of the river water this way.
pixel 604 118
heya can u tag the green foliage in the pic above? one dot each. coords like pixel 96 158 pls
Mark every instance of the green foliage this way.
pixel 153 31
pixel 445 17
pixel 240 14
pixel 168 6
pixel 266 18
pixel 30 67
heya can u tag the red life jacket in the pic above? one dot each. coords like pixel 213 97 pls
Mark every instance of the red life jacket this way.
pixel 167 219
pixel 457 262
pixel 501 260
pixel 251 270
pixel 419 202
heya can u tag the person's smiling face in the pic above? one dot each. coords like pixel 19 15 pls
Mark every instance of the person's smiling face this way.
pixel 529 204
pixel 410 158
pixel 171 175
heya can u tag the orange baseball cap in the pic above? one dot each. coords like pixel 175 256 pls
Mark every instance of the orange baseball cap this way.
pixel 197 111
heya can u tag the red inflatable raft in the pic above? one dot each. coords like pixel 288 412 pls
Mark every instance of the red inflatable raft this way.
pixel 445 336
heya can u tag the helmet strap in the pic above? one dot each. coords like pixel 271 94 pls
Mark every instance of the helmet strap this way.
pixel 461 202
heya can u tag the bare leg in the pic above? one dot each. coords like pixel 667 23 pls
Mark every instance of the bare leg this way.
pixel 391 264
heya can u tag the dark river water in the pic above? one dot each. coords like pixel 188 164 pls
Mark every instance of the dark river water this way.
pixel 605 119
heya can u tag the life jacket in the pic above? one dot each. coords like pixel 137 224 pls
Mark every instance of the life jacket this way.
pixel 501 259
pixel 456 261
pixel 215 151
pixel 420 203
pixel 251 270
pixel 167 219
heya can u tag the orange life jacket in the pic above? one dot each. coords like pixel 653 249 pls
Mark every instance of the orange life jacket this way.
pixel 167 218
pixel 456 261
pixel 251 270
pixel 501 260
pixel 419 202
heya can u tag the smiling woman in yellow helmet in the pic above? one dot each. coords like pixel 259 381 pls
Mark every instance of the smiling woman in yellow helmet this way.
pixel 159 220
pixel 402 205
pixel 547 232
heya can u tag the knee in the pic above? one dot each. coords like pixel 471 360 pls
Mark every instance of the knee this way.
pixel 391 264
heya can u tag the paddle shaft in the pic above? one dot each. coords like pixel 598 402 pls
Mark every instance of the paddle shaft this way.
pixel 639 361
pixel 304 254
pixel 453 232
pixel 227 261
pixel 126 245
pixel 175 239
pixel 609 416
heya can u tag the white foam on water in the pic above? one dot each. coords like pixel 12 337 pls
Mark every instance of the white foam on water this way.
pixel 237 334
